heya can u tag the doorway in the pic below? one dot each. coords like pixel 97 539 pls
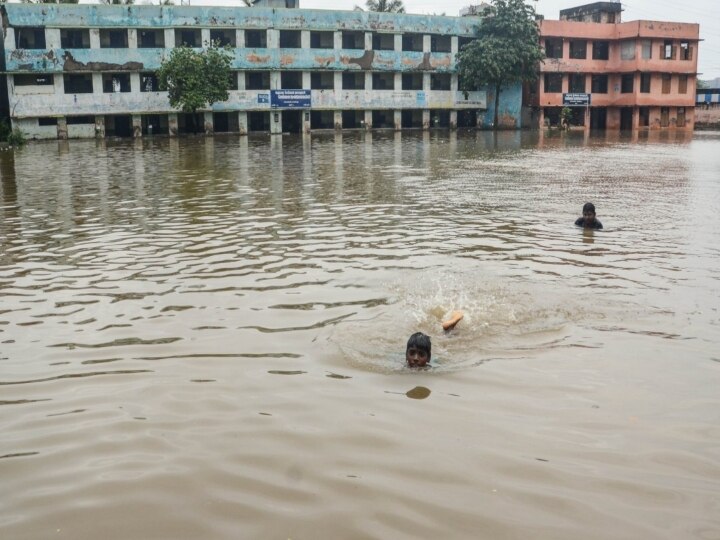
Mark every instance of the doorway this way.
pixel 292 121
pixel 626 118
pixel 598 118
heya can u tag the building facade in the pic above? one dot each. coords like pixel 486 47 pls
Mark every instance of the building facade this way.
pixel 617 75
pixel 89 70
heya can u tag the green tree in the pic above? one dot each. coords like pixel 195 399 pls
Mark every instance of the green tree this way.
pixel 385 6
pixel 196 79
pixel 507 50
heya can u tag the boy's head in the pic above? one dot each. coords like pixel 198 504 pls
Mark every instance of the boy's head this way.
pixel 417 353
pixel 589 211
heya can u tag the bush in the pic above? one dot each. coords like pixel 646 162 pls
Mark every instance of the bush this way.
pixel 16 138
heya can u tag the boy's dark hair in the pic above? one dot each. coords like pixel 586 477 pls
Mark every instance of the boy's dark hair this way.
pixel 420 341
pixel 588 207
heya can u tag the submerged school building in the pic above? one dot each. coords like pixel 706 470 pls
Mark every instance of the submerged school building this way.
pixel 89 70
pixel 617 75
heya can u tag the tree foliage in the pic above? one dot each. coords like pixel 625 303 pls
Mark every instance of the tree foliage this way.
pixel 196 79
pixel 507 50
pixel 385 6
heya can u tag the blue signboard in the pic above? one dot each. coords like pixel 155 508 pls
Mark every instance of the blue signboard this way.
pixel 576 100
pixel 420 99
pixel 290 99
pixel 263 98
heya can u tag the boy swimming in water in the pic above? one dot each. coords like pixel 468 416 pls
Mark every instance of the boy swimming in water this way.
pixel 588 219
pixel 419 347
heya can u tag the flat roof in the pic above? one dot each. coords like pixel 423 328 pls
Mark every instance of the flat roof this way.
pixel 595 6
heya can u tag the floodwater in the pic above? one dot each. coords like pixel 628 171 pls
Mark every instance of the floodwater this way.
pixel 204 338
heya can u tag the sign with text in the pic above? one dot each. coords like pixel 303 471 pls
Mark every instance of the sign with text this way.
pixel 576 100
pixel 290 99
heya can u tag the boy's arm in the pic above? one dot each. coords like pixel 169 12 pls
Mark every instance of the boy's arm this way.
pixel 455 318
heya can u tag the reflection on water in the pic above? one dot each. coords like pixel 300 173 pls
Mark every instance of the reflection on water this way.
pixel 132 271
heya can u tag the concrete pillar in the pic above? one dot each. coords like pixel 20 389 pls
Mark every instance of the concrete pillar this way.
pixel 241 80
pixel 97 83
pixel 635 118
pixel 453 119
pixel 132 38
pixel 368 41
pixel 454 83
pixel 426 119
pixel 59 84
pixel 426 83
pixel 337 81
pixel 209 123
pixel 9 41
pixel 368 120
pixel 173 124
pixel 304 39
pixel 62 133
pixel 137 125
pixel 135 82
pixel 275 82
pixel 170 39
pixel 306 84
pixel 337 40
pixel 275 122
pixel 541 118
pixel 273 38
pixel 368 80
pixel 94 38
pixel 242 123
pixel 427 43
pixel 397 81
pixel 397 38
pixel 240 38
pixel 454 45
pixel 99 127
pixel 52 38
pixel 566 48
pixel 337 120
pixel 204 37
pixel 306 120
pixel 397 119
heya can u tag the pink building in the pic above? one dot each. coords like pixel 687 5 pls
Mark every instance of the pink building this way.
pixel 617 75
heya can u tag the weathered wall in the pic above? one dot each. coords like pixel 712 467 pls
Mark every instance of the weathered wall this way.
pixel 509 114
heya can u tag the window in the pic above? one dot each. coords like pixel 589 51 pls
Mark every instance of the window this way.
pixel 233 83
pixel 645 83
pixel 578 49
pixel 666 82
pixel 685 51
pixel 47 121
pixel 441 44
pixel 256 39
pixel 30 38
pixel 78 83
pixel 626 83
pixel 601 50
pixel 290 39
pixel 113 39
pixel 682 84
pixel 383 42
pixel 115 82
pixel 322 80
pixel 627 50
pixel 149 82
pixel 667 50
pixel 291 80
pixel 553 83
pixel 224 38
pixel 646 46
pixel 412 81
pixel 29 79
pixel 322 40
pixel 599 84
pixel 77 120
pixel 412 42
pixel 188 38
pixel 353 40
pixel 680 117
pixel 257 80
pixel 74 39
pixel 353 81
pixel 151 39
pixel 577 83
pixel 440 81
pixel 553 47
pixel 664 116
pixel 383 81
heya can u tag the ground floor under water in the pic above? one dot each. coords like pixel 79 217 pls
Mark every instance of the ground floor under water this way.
pixel 243 122
pixel 621 118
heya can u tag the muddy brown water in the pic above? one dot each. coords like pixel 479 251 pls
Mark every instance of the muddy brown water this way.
pixel 203 338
